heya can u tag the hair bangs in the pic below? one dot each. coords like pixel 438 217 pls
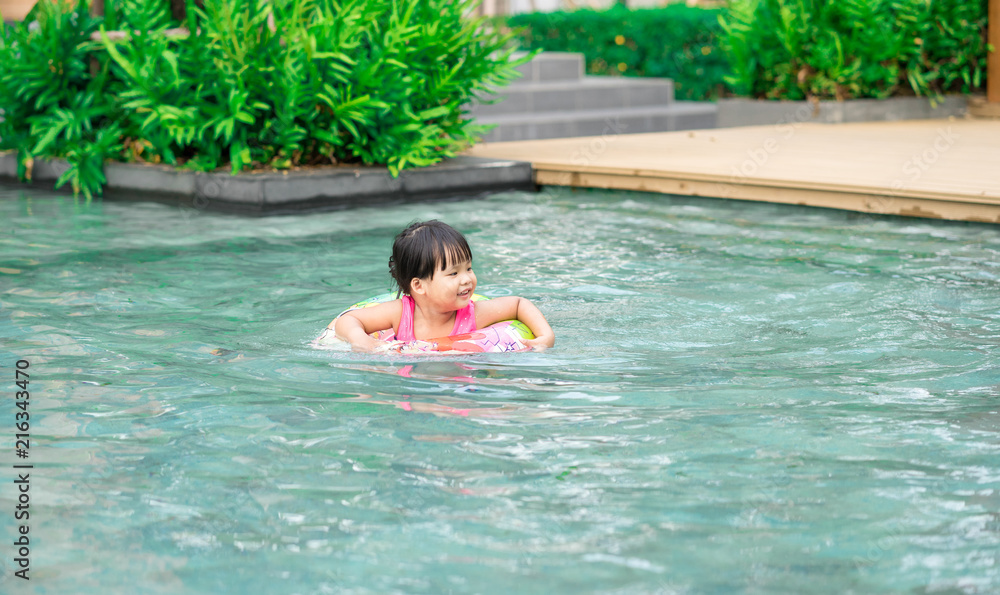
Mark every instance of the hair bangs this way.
pixel 449 255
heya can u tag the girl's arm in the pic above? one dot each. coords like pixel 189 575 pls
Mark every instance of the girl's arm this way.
pixel 505 308
pixel 356 326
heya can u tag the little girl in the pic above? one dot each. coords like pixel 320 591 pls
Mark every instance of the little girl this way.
pixel 432 266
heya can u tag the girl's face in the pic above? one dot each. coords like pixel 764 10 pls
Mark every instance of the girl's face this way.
pixel 450 288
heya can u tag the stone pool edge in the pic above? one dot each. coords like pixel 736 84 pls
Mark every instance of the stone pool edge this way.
pixel 295 191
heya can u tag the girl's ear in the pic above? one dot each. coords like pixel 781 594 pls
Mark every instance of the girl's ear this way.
pixel 417 286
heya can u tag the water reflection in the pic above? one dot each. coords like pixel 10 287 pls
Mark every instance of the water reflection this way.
pixel 742 398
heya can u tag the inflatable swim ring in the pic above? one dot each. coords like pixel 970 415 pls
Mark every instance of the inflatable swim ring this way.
pixel 502 337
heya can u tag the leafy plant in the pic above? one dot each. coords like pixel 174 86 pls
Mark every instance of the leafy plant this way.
pixel 54 100
pixel 249 84
pixel 793 49
pixel 676 41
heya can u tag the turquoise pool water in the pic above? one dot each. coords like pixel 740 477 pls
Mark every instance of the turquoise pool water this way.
pixel 743 398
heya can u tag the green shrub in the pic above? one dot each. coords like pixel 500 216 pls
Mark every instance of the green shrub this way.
pixel 354 81
pixel 793 49
pixel 677 41
pixel 53 105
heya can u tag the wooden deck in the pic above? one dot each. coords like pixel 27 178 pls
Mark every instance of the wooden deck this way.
pixel 946 169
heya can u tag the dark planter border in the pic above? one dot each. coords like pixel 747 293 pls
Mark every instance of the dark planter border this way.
pixel 753 112
pixel 295 191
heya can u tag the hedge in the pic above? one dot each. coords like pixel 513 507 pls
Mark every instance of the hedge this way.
pixel 794 49
pixel 676 41
pixel 779 49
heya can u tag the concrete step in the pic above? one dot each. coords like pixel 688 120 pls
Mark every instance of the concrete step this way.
pixel 679 115
pixel 550 66
pixel 590 92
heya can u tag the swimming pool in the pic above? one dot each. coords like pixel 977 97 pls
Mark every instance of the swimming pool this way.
pixel 743 397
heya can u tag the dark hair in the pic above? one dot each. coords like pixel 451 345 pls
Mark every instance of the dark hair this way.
pixel 424 247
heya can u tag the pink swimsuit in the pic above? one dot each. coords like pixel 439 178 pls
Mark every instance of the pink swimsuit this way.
pixel 465 320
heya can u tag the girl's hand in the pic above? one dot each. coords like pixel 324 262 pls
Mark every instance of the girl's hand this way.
pixel 354 326
pixel 505 308
pixel 371 345
pixel 409 347
pixel 540 343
